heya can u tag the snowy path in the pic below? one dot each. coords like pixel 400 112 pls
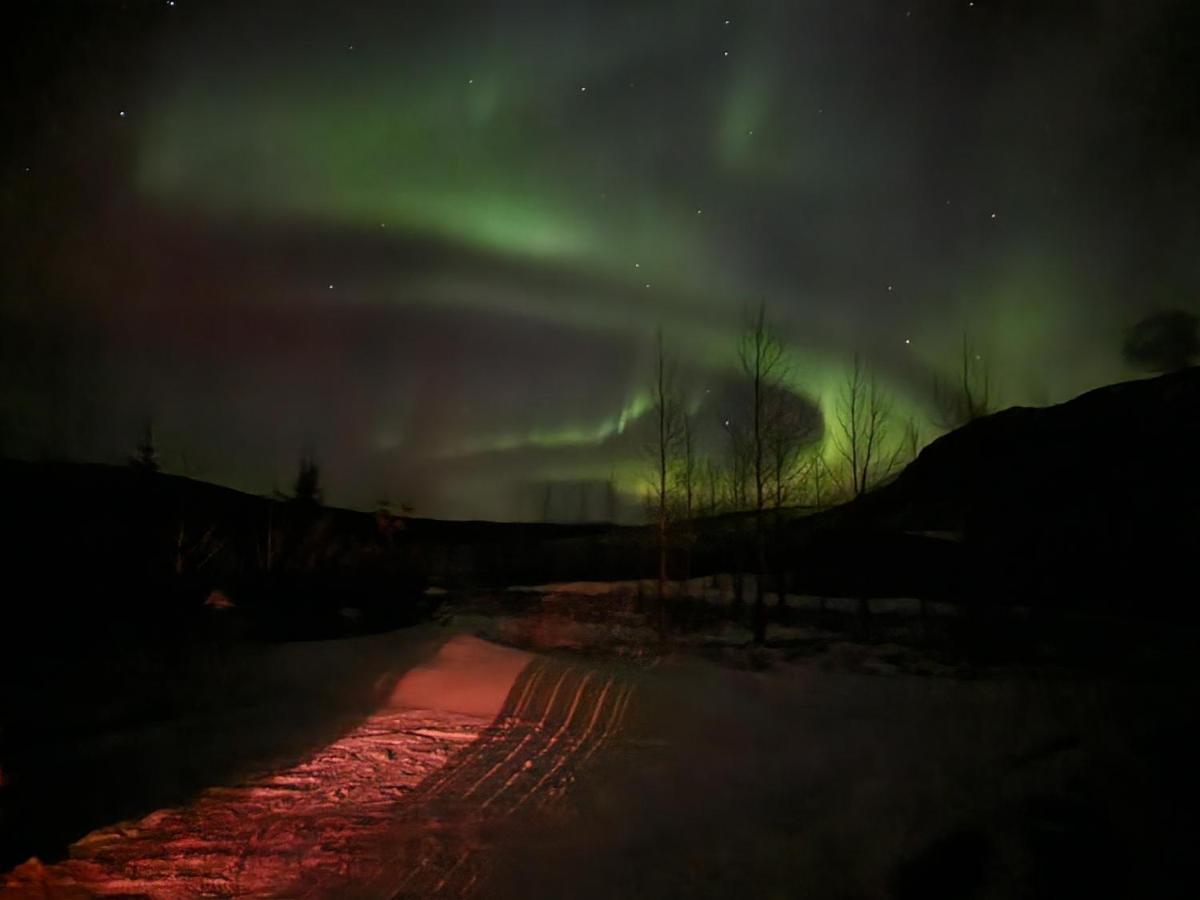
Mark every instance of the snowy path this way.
pixel 556 719
pixel 557 777
pixel 399 807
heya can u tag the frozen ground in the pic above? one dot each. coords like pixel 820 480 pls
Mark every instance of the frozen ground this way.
pixel 490 772
pixel 306 826
pixel 473 737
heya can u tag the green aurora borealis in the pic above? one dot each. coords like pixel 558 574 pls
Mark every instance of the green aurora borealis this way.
pixel 432 242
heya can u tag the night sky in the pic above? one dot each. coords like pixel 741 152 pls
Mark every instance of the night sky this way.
pixel 431 242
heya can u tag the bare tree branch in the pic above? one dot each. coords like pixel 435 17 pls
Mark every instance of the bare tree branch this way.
pixel 761 355
pixel 969 396
pixel 663 450
pixel 864 413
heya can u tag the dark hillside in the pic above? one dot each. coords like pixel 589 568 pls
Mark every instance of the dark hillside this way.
pixel 1093 502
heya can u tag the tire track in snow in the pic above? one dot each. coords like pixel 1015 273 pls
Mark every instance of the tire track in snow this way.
pixel 403 806
pixel 557 718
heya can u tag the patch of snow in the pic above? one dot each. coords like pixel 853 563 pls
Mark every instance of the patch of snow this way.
pixel 895 605
pixel 466 676
pixel 582 588
pixel 219 600
pixel 311 822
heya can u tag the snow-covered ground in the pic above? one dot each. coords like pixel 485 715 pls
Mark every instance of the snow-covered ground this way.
pixel 858 772
pixel 307 824
pixel 719 590
pixel 304 827
pixel 475 735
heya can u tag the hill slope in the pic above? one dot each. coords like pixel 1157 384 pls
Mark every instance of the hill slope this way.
pixel 1100 494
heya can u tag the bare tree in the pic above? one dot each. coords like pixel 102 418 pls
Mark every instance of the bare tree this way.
pixel 761 355
pixel 582 489
pixel 969 395
pixel 610 497
pixel 735 478
pixel 793 424
pixel 864 413
pixel 816 478
pixel 145 457
pixel 909 445
pixel 712 485
pixel 687 463
pixel 688 478
pixel 736 474
pixel 306 489
pixel 662 451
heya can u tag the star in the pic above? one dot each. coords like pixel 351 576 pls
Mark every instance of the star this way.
pixel 583 89
pixel 993 215
pixel 889 287
pixel 121 114
pixel 331 287
pixel 726 52
pixel 907 341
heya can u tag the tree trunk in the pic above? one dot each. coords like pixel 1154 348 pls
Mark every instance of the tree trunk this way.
pixel 760 607
pixel 662 576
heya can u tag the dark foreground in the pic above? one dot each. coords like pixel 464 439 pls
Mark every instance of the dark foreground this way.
pixel 822 767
